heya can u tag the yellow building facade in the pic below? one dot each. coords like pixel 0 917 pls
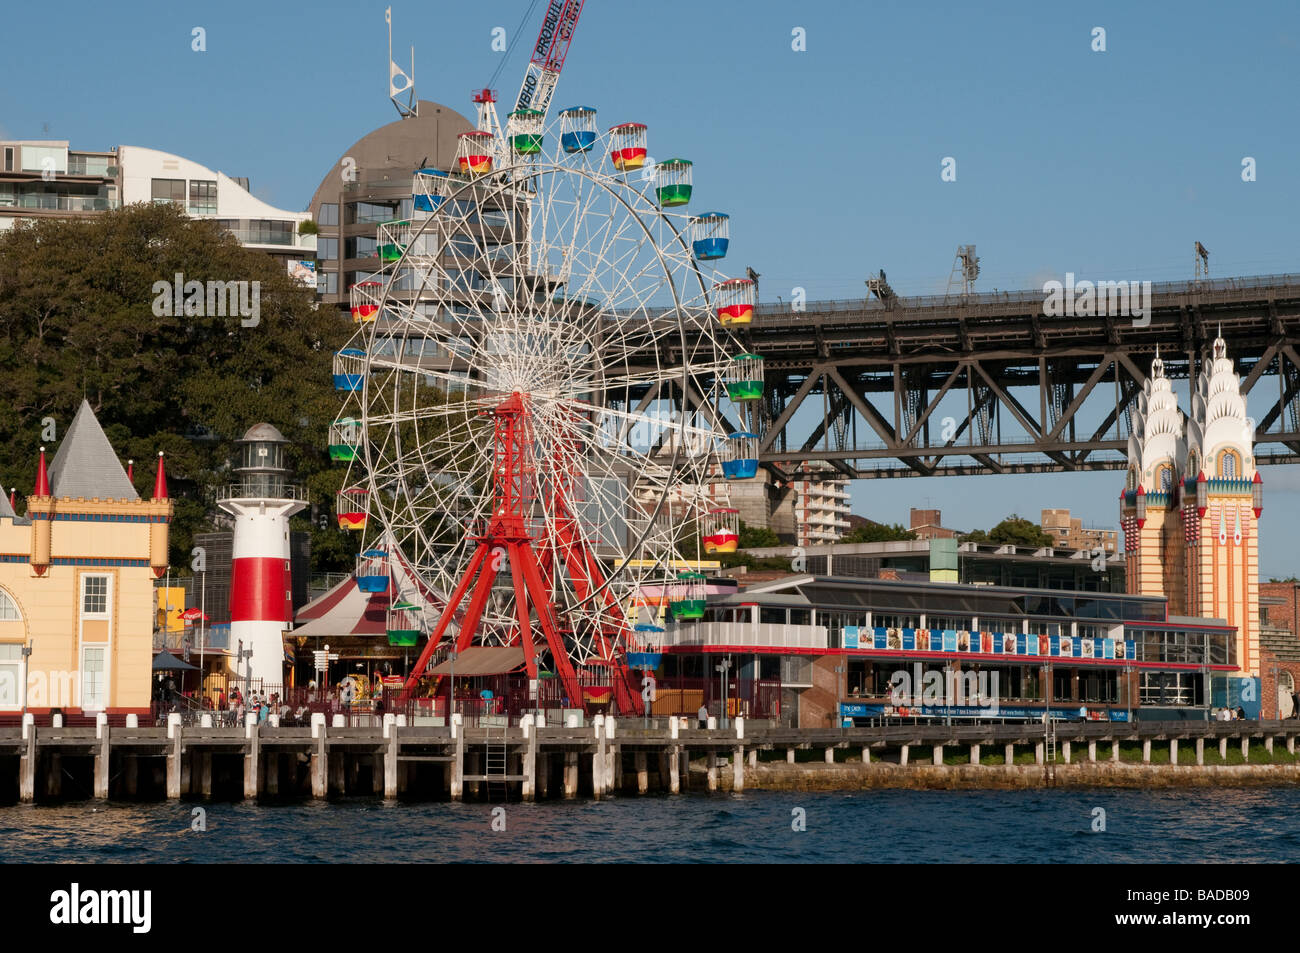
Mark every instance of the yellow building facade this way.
pixel 77 573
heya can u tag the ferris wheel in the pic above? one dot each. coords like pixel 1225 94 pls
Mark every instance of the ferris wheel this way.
pixel 542 382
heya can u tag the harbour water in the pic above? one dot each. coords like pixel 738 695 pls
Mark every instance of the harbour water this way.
pixel 1223 825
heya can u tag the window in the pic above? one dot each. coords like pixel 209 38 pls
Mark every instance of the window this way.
pixel 327 283
pixel 169 190
pixel 11 671
pixel 1165 478
pixel 94 596
pixel 8 611
pixel 361 247
pixel 9 158
pixel 329 214
pixel 1228 465
pixel 92 677
pixel 43 158
pixel 203 197
pixel 327 249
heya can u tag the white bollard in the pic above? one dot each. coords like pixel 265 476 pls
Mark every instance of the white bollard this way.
pixel 101 722
pixel 740 727
pixel 455 723
pixel 250 722
pixel 133 721
pixel 339 721
pixel 273 721
pixel 673 726
pixel 317 724
pixel 609 727
pixel 389 720
pixel 173 722
pixel 598 723
pixel 570 721
pixel 205 721
pixel 540 721
pixel 401 721
pixel 712 723
pixel 56 721
pixel 526 723
pixel 29 721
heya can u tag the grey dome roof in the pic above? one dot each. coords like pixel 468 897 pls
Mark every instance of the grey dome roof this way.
pixel 264 432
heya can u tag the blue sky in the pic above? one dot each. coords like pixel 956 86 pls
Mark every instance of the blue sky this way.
pixel 1105 164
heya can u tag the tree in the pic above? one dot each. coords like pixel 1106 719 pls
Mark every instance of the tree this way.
pixel 1013 531
pixel 80 316
pixel 757 537
pixel 877 533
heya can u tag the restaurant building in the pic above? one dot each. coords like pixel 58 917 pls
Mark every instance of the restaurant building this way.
pixel 810 651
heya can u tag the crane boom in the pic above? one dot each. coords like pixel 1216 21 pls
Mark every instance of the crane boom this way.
pixel 548 55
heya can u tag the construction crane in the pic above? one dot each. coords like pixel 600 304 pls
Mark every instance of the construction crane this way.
pixel 543 71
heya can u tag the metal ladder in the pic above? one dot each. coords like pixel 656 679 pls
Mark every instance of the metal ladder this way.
pixel 497 758
pixel 1049 751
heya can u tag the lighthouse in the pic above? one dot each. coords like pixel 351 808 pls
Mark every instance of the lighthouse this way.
pixel 261 590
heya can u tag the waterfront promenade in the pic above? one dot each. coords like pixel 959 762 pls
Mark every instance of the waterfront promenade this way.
pixel 528 762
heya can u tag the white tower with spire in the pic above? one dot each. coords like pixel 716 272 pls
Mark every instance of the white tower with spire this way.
pixel 1222 517
pixel 261 586
pixel 1191 505
pixel 1156 450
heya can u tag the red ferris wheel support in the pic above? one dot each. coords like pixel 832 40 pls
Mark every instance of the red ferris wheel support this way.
pixel 534 574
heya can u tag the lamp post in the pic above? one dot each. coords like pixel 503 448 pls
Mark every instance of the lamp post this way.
pixel 839 701
pixel 27 654
pixel 721 668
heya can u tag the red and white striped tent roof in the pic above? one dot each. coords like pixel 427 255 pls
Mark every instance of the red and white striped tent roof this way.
pixel 344 610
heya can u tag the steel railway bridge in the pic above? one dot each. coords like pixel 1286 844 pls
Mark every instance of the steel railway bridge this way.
pixel 941 386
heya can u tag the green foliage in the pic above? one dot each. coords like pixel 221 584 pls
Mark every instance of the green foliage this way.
pixel 77 319
pixel 308 227
pixel 877 533
pixel 1014 531
pixel 757 537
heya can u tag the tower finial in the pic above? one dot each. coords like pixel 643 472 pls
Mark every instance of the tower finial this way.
pixel 42 478
pixel 160 481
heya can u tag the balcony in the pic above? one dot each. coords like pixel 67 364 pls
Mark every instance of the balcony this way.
pixel 260 491
pixel 748 635
pixel 59 203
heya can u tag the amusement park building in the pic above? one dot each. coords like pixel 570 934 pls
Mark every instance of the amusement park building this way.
pixel 77 575
pixel 1192 501
pixel 946 560
pixel 835 641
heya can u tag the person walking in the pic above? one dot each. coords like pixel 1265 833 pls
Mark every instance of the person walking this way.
pixel 703 715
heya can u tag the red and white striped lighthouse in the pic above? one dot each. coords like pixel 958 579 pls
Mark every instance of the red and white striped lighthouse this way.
pixel 261 586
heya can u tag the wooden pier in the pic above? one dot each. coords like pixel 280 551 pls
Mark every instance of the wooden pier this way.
pixel 528 761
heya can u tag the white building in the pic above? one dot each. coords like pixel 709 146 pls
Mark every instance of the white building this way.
pixel 821 507
pixel 46 178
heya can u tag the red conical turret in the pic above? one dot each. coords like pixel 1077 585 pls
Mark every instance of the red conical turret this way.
pixel 1200 495
pixel 42 478
pixel 160 481
pixel 1141 506
pixel 1257 494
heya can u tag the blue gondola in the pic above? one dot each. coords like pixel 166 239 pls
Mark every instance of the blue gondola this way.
pixel 372 571
pixel 743 457
pixel 428 189
pixel 710 235
pixel 577 129
pixel 349 365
